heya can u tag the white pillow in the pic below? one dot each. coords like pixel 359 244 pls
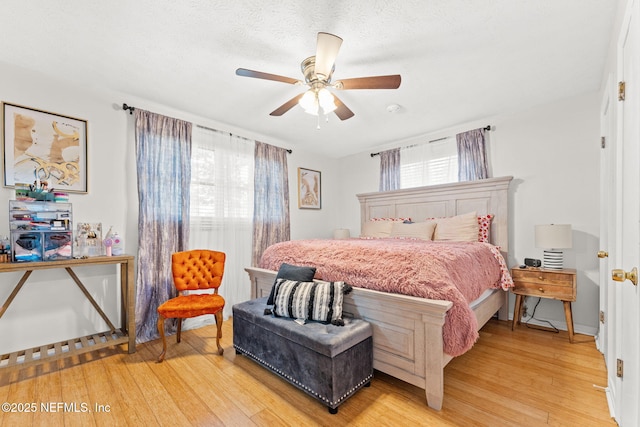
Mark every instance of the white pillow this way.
pixel 376 229
pixel 415 230
pixel 459 228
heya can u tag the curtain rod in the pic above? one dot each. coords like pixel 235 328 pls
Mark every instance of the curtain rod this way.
pixel 487 128
pixel 130 108
pixel 406 146
pixel 216 130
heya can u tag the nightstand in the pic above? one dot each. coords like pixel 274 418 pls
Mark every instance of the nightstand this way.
pixel 538 282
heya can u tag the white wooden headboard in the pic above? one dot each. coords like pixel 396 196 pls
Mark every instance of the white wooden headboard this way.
pixel 487 196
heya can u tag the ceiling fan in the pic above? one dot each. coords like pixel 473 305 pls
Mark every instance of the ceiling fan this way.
pixel 317 71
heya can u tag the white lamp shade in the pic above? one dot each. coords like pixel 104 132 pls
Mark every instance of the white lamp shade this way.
pixel 341 233
pixel 309 102
pixel 326 101
pixel 554 236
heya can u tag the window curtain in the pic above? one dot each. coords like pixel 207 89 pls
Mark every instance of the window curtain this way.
pixel 390 170
pixel 222 209
pixel 472 155
pixel 271 199
pixel 163 152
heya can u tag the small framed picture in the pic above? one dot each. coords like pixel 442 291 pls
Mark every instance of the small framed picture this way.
pixel 309 189
pixel 44 147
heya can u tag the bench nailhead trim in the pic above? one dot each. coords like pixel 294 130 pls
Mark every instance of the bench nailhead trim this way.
pixel 293 380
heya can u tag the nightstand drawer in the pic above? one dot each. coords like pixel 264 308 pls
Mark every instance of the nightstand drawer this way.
pixel 544 290
pixel 543 277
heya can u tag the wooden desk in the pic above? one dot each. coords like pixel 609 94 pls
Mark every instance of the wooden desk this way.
pixel 114 336
pixel 555 284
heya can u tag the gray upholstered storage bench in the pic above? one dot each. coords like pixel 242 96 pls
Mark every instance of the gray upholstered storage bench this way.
pixel 328 362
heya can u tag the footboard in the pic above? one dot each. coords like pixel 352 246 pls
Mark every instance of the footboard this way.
pixel 402 328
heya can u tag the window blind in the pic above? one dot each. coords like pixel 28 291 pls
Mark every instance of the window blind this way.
pixel 429 164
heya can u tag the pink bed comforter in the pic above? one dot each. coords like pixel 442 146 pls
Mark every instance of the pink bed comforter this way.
pixel 455 271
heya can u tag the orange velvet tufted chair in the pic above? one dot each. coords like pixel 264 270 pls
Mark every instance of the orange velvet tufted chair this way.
pixel 194 270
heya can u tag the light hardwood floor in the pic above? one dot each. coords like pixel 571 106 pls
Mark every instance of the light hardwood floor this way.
pixel 521 378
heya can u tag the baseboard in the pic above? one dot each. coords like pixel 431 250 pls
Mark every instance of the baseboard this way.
pixel 561 325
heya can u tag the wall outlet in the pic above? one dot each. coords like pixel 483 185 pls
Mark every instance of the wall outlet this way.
pixel 525 312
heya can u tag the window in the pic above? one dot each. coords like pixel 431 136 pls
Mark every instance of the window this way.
pixel 221 206
pixel 221 178
pixel 429 164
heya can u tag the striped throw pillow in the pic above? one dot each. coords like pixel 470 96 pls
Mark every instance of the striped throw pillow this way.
pixel 317 300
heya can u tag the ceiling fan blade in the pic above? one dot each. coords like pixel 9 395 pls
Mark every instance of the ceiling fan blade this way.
pixel 266 76
pixel 327 50
pixel 286 106
pixel 343 112
pixel 374 82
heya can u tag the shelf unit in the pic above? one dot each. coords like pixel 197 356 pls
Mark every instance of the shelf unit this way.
pixel 40 231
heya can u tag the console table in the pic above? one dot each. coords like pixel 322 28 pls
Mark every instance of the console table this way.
pixel 114 336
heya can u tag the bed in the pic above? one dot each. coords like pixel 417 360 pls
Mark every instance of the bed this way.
pixel 407 330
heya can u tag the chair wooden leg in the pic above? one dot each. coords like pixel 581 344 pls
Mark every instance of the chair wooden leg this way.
pixel 218 316
pixel 179 334
pixel 164 341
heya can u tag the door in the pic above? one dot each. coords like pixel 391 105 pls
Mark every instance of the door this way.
pixel 627 224
pixel 607 186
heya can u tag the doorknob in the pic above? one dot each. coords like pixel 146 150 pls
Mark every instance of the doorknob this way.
pixel 620 275
pixel 603 254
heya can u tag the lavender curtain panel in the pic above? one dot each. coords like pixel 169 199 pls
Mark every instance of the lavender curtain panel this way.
pixel 271 199
pixel 390 170
pixel 472 155
pixel 163 154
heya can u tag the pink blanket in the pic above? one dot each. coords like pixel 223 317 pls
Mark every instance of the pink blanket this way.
pixel 455 271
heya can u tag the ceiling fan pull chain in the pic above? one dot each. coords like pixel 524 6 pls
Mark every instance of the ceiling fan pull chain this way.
pixel 318 127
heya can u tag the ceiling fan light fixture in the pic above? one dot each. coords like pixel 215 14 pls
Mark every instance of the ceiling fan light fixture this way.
pixel 326 101
pixel 309 102
pixel 315 99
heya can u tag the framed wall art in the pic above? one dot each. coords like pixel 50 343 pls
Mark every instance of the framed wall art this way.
pixel 44 147
pixel 309 189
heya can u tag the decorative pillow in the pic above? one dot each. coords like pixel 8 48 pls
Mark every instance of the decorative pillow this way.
pixel 484 227
pixel 459 228
pixel 376 228
pixel 391 219
pixel 292 272
pixel 317 300
pixel 484 224
pixel 414 230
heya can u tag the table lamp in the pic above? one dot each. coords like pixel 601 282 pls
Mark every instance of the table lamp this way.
pixel 341 233
pixel 552 238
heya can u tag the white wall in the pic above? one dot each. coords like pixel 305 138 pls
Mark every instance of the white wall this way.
pixel 314 223
pixel 552 151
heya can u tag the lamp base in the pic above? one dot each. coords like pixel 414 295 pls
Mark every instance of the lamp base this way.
pixel 341 233
pixel 553 260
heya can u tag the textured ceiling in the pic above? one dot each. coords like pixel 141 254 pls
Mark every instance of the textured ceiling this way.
pixel 460 60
